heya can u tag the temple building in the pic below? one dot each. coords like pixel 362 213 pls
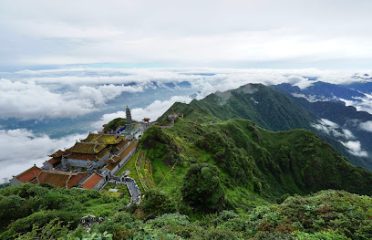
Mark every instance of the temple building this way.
pixel 52 178
pixel 28 176
pixel 90 153
pixel 94 181
pixel 91 162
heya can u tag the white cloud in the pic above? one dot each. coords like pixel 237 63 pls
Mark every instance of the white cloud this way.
pixel 333 129
pixel 157 108
pixel 354 147
pixel 345 136
pixel 313 98
pixel 329 123
pixel 152 111
pixel 101 94
pixel 366 126
pixel 69 92
pixel 21 148
pixel 222 33
pixel 28 100
pixel 361 104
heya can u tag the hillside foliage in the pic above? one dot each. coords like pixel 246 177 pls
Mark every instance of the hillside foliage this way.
pixel 114 124
pixel 55 214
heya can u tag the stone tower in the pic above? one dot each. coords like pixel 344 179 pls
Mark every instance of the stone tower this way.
pixel 128 114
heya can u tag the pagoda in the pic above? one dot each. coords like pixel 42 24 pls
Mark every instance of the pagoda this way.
pixel 128 115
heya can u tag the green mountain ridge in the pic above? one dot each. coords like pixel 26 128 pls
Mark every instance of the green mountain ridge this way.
pixel 267 106
pixel 262 162
pixel 263 105
pixel 213 174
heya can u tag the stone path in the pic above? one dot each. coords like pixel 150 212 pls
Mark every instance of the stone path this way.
pixel 134 191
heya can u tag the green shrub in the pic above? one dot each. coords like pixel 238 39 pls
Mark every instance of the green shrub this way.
pixel 202 188
pixel 156 203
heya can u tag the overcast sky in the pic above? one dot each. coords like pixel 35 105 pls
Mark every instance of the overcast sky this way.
pixel 192 33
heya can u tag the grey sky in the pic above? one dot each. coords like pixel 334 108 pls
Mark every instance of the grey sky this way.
pixel 230 33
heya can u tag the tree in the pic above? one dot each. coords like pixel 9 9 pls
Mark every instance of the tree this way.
pixel 156 203
pixel 202 188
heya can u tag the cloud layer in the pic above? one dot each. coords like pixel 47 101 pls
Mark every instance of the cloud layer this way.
pixel 192 33
pixel 361 104
pixel 355 148
pixel 345 136
pixel 20 148
pixel 366 126
pixel 71 92
pixel 29 100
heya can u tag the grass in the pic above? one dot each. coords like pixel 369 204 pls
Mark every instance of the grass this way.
pixel 140 169
pixel 144 171
pixel 121 193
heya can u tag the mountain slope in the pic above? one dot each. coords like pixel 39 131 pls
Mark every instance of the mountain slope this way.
pixel 261 104
pixel 274 108
pixel 250 159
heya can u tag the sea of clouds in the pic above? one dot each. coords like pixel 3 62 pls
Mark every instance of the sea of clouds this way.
pixel 73 92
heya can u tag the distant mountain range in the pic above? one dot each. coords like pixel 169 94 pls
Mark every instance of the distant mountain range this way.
pixel 346 125
pixel 324 91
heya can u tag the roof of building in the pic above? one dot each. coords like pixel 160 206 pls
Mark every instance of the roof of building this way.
pixel 82 156
pixel 91 181
pixel 85 147
pixel 122 144
pixel 108 139
pixel 29 175
pixel 54 161
pixel 115 160
pixel 60 179
pixel 57 154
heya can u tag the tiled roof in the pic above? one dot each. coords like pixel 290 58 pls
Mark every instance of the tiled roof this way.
pixel 29 175
pixel 103 153
pixel 54 161
pixel 95 156
pixel 107 139
pixel 121 144
pixel 60 179
pixel 115 160
pixel 76 179
pixel 92 181
pixel 83 147
pixel 57 154
pixel 82 156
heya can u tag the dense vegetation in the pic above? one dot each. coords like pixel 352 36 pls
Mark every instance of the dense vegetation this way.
pixel 202 188
pixel 263 105
pixel 114 124
pixel 30 211
pixel 265 163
